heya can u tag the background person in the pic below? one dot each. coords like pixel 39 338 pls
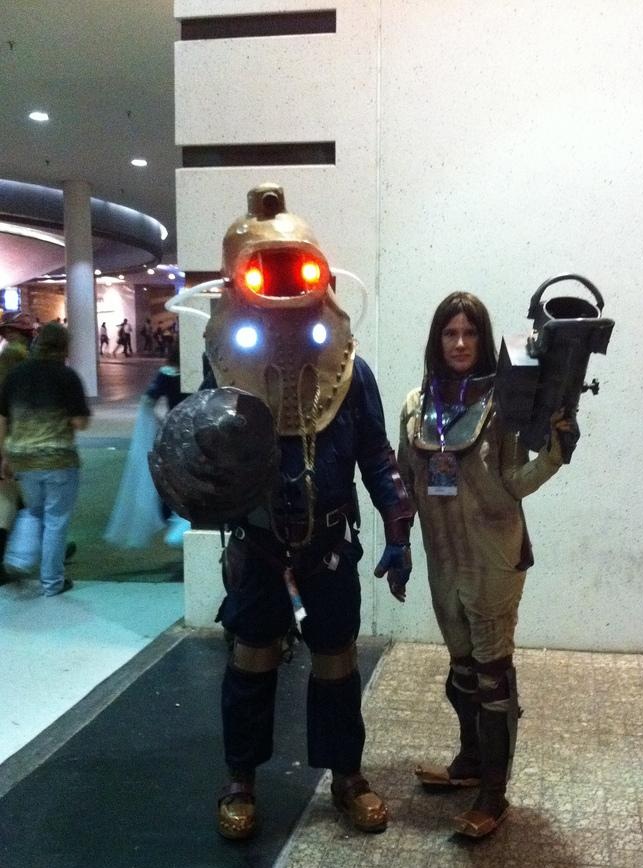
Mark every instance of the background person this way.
pixel 124 338
pixel 17 332
pixel 138 512
pixel 104 338
pixel 467 474
pixel 41 407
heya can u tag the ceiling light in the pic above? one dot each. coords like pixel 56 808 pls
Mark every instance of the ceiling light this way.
pixel 41 117
pixel 121 277
pixel 97 272
pixel 139 162
pixel 150 271
pixel 172 276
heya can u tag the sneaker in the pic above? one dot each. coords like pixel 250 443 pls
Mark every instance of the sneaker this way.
pixel 67 586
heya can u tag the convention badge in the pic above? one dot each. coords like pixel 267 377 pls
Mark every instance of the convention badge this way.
pixel 443 474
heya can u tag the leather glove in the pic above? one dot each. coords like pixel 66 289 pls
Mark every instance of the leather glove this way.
pixel 396 563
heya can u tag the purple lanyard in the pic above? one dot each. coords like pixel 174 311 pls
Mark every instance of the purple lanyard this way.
pixel 439 408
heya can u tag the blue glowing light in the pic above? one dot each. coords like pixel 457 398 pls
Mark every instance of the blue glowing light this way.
pixel 319 333
pixel 246 337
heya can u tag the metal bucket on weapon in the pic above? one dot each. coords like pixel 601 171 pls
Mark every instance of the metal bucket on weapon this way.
pixel 544 371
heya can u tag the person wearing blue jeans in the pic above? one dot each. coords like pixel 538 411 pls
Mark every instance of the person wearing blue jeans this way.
pixel 42 405
pixel 40 531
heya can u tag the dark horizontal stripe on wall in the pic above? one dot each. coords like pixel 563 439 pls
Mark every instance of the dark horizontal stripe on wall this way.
pixel 269 24
pixel 282 154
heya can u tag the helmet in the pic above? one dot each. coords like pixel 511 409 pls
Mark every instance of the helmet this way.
pixel 277 330
pixel 216 457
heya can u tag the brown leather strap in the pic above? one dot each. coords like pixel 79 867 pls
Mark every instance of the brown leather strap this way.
pixel 241 790
pixel 248 658
pixel 335 667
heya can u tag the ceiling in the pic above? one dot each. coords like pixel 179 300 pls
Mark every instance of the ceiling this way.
pixel 103 71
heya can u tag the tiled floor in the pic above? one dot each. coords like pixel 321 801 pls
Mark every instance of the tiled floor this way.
pixel 577 785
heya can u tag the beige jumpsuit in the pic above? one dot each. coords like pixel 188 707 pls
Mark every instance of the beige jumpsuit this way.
pixel 476 542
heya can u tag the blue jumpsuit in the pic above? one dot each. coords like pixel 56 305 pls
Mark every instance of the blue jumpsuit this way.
pixel 258 610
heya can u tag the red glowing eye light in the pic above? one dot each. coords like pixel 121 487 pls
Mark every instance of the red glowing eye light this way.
pixel 310 272
pixel 254 279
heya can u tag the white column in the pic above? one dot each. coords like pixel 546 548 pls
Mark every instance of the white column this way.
pixel 81 298
pixel 202 571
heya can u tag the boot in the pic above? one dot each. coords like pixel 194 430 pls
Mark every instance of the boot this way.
pixel 464 771
pixel 236 814
pixel 353 796
pixel 490 808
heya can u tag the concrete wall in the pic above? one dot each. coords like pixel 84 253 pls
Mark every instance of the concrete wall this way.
pixel 480 145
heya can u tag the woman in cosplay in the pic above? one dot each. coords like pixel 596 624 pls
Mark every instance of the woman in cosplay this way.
pixel 277 334
pixel 467 474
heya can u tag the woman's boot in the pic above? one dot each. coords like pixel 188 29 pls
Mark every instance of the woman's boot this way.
pixel 497 727
pixel 464 771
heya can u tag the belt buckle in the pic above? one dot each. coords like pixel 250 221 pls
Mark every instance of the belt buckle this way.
pixel 333 517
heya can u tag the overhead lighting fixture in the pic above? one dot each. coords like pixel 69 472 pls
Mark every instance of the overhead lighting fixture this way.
pixel 121 277
pixel 41 117
pixel 11 298
pixel 30 232
pixel 139 162
pixel 97 272
pixel 172 276
pixel 150 271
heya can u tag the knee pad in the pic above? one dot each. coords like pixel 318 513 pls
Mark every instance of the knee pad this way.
pixel 461 679
pixel 337 666
pixel 253 659
pixel 494 683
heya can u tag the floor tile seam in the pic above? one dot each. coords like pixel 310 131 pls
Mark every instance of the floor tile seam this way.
pixel 26 760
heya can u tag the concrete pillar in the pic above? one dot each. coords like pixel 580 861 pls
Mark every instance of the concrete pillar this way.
pixel 81 298
pixel 202 570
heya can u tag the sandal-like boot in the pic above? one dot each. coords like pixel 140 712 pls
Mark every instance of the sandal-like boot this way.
pixel 353 796
pixel 237 818
pixel 491 807
pixel 465 770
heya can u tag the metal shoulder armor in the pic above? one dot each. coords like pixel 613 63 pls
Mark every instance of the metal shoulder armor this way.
pixel 456 409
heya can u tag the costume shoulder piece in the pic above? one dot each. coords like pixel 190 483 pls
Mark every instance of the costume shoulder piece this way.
pixel 451 414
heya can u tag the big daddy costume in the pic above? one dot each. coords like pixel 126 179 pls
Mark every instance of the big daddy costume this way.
pixel 278 334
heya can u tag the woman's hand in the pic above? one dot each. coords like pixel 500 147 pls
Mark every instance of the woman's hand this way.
pixel 561 448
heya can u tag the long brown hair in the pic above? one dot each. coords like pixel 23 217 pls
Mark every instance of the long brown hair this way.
pixel 475 311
